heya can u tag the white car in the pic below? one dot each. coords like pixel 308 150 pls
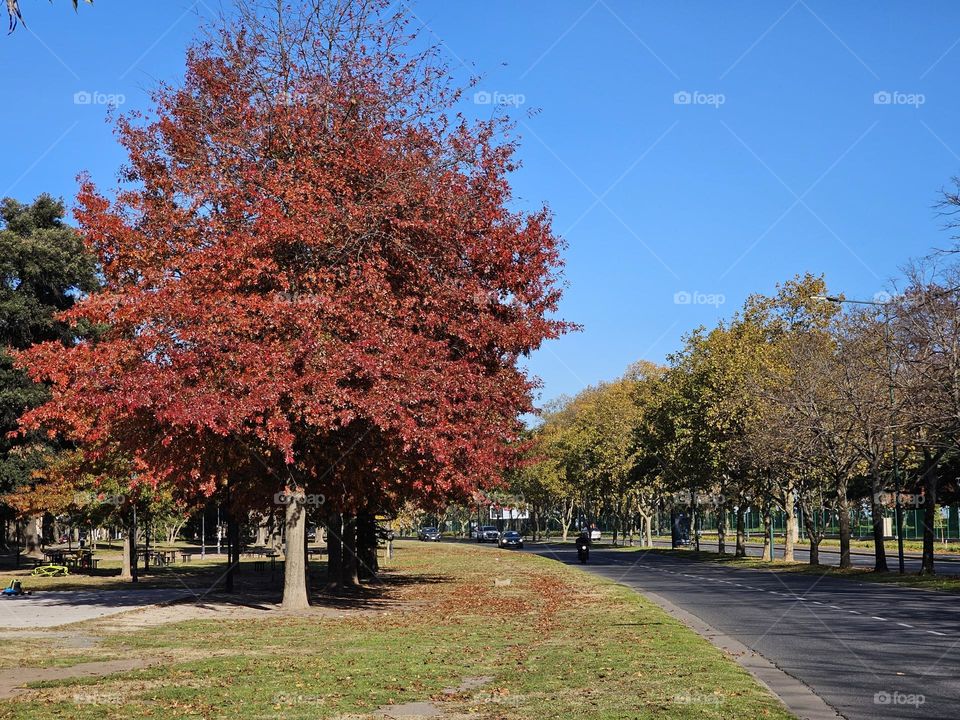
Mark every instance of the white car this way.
pixel 594 535
pixel 488 533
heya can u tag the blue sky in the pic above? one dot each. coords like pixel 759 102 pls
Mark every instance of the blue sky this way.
pixel 693 151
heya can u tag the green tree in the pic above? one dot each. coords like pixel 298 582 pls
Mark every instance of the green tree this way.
pixel 43 268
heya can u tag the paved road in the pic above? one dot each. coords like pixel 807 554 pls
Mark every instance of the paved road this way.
pixel 830 555
pixel 870 651
pixel 49 609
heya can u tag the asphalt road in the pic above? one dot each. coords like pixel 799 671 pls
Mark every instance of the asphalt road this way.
pixel 869 650
pixel 830 555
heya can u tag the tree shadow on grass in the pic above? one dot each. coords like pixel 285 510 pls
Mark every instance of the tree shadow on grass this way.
pixel 375 594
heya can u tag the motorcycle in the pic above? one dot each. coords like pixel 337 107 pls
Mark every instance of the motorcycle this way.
pixel 583 553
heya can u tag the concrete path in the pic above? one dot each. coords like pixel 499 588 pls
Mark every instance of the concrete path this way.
pixel 45 609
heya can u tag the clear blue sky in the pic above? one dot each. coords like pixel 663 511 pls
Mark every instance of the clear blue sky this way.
pixel 783 162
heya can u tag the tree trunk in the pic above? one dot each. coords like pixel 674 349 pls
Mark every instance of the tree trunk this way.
pixel 767 547
pixel 567 518
pixel 876 515
pixel 294 567
pixel 348 575
pixel 931 477
pixel 722 529
pixel 790 526
pixel 32 536
pixel 126 571
pixel 741 550
pixel 233 555
pixel 810 522
pixel 367 546
pixel 843 512
pixel 334 549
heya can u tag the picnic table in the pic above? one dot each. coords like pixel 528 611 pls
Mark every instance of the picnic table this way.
pixel 56 555
pixel 159 557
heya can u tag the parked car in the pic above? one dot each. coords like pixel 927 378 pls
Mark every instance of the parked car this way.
pixel 488 533
pixel 594 535
pixel 384 533
pixel 511 539
pixel 428 534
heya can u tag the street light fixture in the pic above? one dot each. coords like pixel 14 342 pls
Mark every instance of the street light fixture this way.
pixel 893 435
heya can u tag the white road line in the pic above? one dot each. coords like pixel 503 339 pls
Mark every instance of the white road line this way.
pixel 854 612
pixel 877 617
pixel 934 632
pixel 904 625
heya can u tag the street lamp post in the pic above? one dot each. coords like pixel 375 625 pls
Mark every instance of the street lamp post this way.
pixel 888 337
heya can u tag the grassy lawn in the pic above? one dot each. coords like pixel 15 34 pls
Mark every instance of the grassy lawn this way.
pixel 943 583
pixel 548 641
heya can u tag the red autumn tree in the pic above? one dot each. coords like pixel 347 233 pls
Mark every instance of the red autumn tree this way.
pixel 313 279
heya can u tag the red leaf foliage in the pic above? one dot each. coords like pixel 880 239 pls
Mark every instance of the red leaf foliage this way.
pixel 323 285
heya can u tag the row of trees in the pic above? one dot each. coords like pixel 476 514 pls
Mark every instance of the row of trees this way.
pixel 800 401
pixel 310 284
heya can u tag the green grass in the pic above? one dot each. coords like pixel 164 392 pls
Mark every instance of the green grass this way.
pixel 556 642
pixel 943 583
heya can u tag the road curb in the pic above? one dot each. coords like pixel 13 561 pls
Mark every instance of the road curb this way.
pixel 797 696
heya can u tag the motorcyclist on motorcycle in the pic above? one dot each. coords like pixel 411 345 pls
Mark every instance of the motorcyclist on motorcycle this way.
pixel 583 545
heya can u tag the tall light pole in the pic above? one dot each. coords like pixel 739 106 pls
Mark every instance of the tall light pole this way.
pixel 898 512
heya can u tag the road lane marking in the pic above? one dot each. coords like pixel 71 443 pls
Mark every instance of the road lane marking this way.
pixel 877 617
pixel 934 632
pixel 904 625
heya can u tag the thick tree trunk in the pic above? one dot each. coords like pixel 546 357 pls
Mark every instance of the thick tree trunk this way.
pixel 233 555
pixel 931 477
pixel 126 570
pixel 367 546
pixel 32 533
pixel 843 513
pixel 741 550
pixel 876 515
pixel 348 575
pixel 294 567
pixel 334 549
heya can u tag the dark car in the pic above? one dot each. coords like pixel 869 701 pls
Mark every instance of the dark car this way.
pixel 428 534
pixel 384 533
pixel 511 539
pixel 488 533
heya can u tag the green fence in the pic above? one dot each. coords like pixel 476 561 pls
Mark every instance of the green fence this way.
pixel 946 523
